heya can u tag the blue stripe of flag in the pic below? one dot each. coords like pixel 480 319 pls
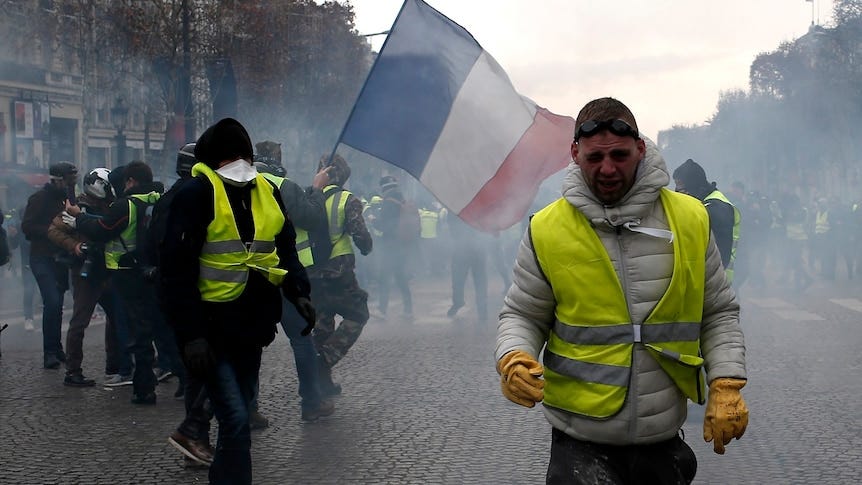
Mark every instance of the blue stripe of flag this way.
pixel 410 90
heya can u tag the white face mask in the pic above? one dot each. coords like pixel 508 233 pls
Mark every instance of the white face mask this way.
pixel 238 172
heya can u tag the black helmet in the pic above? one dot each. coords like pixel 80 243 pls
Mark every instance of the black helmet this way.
pixel 62 169
pixel 185 160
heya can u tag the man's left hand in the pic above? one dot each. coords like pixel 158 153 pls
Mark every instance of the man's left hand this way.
pixel 726 413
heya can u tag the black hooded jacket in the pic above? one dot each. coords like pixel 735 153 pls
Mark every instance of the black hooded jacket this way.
pixel 247 322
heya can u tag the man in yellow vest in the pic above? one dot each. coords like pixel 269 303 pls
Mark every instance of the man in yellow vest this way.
pixel 336 289
pixel 622 283
pixel 724 217
pixel 123 230
pixel 228 256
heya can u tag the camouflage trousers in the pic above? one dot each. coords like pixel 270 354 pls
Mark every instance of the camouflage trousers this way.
pixel 338 296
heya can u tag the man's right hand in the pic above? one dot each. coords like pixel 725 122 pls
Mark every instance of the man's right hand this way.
pixel 520 378
pixel 199 357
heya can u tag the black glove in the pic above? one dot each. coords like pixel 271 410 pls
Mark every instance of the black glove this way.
pixel 199 357
pixel 307 312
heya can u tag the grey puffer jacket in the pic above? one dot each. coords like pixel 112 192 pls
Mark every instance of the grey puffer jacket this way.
pixel 655 408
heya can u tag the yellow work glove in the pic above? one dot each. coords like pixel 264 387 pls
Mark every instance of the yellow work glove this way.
pixel 520 378
pixel 726 414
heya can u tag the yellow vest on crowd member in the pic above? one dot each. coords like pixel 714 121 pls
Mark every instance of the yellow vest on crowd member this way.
pixel 736 225
pixel 127 241
pixel 589 352
pixel 795 231
pixel 336 201
pixel 303 243
pixel 428 224
pixel 821 222
pixel 225 260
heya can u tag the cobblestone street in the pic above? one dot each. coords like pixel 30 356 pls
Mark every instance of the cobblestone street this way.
pixel 421 405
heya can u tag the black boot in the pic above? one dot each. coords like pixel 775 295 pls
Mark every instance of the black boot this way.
pixel 327 387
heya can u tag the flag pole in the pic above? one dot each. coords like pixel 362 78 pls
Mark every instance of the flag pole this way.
pixel 365 83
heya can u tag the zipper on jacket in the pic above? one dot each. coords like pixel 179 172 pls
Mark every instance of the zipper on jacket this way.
pixel 624 282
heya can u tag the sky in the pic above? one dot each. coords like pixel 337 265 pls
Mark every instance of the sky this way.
pixel 667 60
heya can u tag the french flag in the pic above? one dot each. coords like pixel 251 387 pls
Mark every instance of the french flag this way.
pixel 438 106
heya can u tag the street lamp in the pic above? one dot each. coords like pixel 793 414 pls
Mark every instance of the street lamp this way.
pixel 118 115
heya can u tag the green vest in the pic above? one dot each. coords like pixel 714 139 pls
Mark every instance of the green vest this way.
pixel 303 243
pixel 736 223
pixel 336 201
pixel 428 224
pixel 821 222
pixel 588 357
pixel 225 260
pixel 127 241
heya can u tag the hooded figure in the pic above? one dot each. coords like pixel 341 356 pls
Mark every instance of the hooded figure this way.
pixel 724 217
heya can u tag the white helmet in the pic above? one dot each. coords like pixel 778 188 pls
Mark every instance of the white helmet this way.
pixel 96 183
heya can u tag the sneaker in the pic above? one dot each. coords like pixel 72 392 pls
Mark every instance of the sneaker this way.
pixel 325 408
pixel 78 380
pixel 196 450
pixel 28 325
pixel 148 398
pixel 162 374
pixel 118 380
pixel 190 463
pixel 257 421
pixel 51 362
pixel 453 310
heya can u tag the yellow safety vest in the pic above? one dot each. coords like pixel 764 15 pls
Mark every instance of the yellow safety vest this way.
pixel 736 226
pixel 303 243
pixel 225 260
pixel 127 241
pixel 336 201
pixel 821 222
pixel 589 352
pixel 428 224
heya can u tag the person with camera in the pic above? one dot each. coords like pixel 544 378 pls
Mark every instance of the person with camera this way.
pixel 123 229
pixel 90 284
pixel 50 266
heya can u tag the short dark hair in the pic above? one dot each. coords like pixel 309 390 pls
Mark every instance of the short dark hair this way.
pixel 139 171
pixel 604 109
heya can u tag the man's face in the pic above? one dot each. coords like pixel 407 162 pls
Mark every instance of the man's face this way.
pixel 608 163
pixel 680 186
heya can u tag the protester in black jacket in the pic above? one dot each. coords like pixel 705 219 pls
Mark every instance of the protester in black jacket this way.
pixel 225 313
pixel 52 275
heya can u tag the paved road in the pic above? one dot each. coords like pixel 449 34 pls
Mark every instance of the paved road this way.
pixel 421 405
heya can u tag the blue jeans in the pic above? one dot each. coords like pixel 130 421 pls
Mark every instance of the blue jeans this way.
pixel 53 282
pixel 230 389
pixel 304 355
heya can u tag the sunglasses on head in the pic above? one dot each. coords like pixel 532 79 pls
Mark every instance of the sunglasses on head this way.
pixel 617 127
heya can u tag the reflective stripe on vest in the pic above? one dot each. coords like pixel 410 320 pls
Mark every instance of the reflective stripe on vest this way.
pixel 127 241
pixel 589 352
pixel 225 260
pixel 736 226
pixel 303 243
pixel 428 224
pixel 336 201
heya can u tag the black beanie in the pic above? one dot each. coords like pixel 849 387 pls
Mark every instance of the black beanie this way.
pixel 691 174
pixel 225 140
